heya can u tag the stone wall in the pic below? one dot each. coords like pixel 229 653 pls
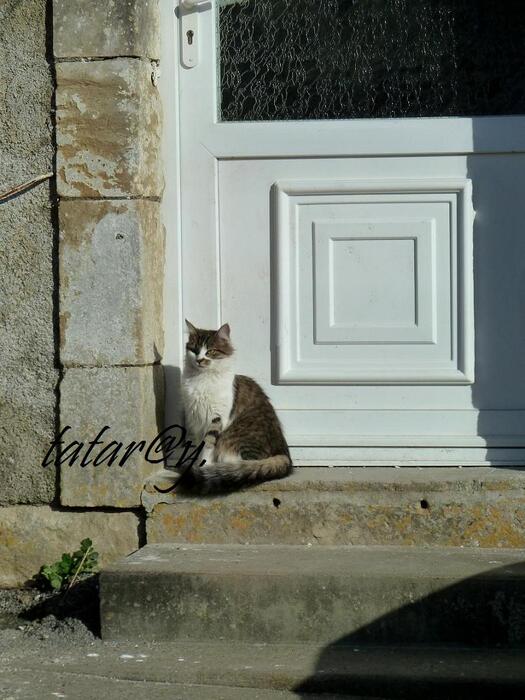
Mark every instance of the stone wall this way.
pixel 29 372
pixel 81 270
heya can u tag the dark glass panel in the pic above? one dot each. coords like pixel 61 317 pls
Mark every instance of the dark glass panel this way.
pixel 335 59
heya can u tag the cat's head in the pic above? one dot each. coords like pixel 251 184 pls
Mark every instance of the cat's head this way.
pixel 206 349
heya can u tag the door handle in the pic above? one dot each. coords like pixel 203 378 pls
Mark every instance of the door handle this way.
pixel 189 21
pixel 194 4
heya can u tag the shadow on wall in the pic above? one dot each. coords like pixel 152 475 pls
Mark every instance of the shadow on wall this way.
pixel 160 388
pixel 499 288
pixel 174 412
pixel 464 642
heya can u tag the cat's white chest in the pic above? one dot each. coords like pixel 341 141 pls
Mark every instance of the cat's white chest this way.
pixel 206 395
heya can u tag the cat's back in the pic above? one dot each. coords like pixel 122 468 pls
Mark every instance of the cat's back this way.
pixel 253 408
pixel 248 395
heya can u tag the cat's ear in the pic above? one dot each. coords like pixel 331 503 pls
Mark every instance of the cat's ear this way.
pixel 191 328
pixel 224 332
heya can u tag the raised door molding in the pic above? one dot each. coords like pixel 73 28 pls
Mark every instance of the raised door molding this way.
pixel 373 282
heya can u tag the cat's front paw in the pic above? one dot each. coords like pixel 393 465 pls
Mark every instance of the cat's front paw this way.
pixel 210 439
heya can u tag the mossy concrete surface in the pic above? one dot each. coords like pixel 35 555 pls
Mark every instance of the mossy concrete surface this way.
pixel 296 593
pixel 470 507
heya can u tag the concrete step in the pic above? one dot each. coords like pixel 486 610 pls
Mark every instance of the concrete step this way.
pixel 241 671
pixel 448 507
pixel 324 595
pixel 28 687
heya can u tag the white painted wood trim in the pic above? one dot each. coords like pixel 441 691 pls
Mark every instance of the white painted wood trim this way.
pixel 415 441
pixel 394 428
pixel 171 210
pixel 413 457
pixel 460 186
pixel 465 286
pixel 410 376
pixel 365 137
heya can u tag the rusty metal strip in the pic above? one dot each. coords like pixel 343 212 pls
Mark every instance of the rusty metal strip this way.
pixel 5 196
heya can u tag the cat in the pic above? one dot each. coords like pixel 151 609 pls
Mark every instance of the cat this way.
pixel 243 439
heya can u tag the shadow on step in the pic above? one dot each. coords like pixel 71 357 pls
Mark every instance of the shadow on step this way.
pixel 465 642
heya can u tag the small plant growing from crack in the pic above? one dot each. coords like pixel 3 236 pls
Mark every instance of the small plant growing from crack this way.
pixel 62 575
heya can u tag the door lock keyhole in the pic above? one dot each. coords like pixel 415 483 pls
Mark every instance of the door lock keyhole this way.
pixel 190 33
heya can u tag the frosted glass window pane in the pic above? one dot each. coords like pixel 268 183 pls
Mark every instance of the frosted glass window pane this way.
pixel 334 59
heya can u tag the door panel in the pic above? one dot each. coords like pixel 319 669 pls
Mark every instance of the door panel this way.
pixel 351 415
pixel 395 246
pixel 382 318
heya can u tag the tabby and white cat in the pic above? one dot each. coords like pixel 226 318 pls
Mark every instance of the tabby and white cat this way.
pixel 243 438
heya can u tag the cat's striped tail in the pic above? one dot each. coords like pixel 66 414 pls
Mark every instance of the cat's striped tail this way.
pixel 222 477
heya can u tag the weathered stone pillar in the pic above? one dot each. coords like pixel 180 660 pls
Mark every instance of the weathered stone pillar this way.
pixel 109 181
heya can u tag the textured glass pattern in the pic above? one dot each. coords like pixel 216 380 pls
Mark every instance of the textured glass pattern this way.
pixel 334 59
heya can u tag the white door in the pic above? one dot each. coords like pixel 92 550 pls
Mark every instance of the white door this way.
pixel 384 319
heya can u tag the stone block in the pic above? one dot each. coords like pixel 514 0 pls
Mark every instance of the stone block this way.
pixel 277 594
pixel 130 401
pixel 111 280
pixel 90 28
pixel 471 507
pixel 108 129
pixel 34 535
